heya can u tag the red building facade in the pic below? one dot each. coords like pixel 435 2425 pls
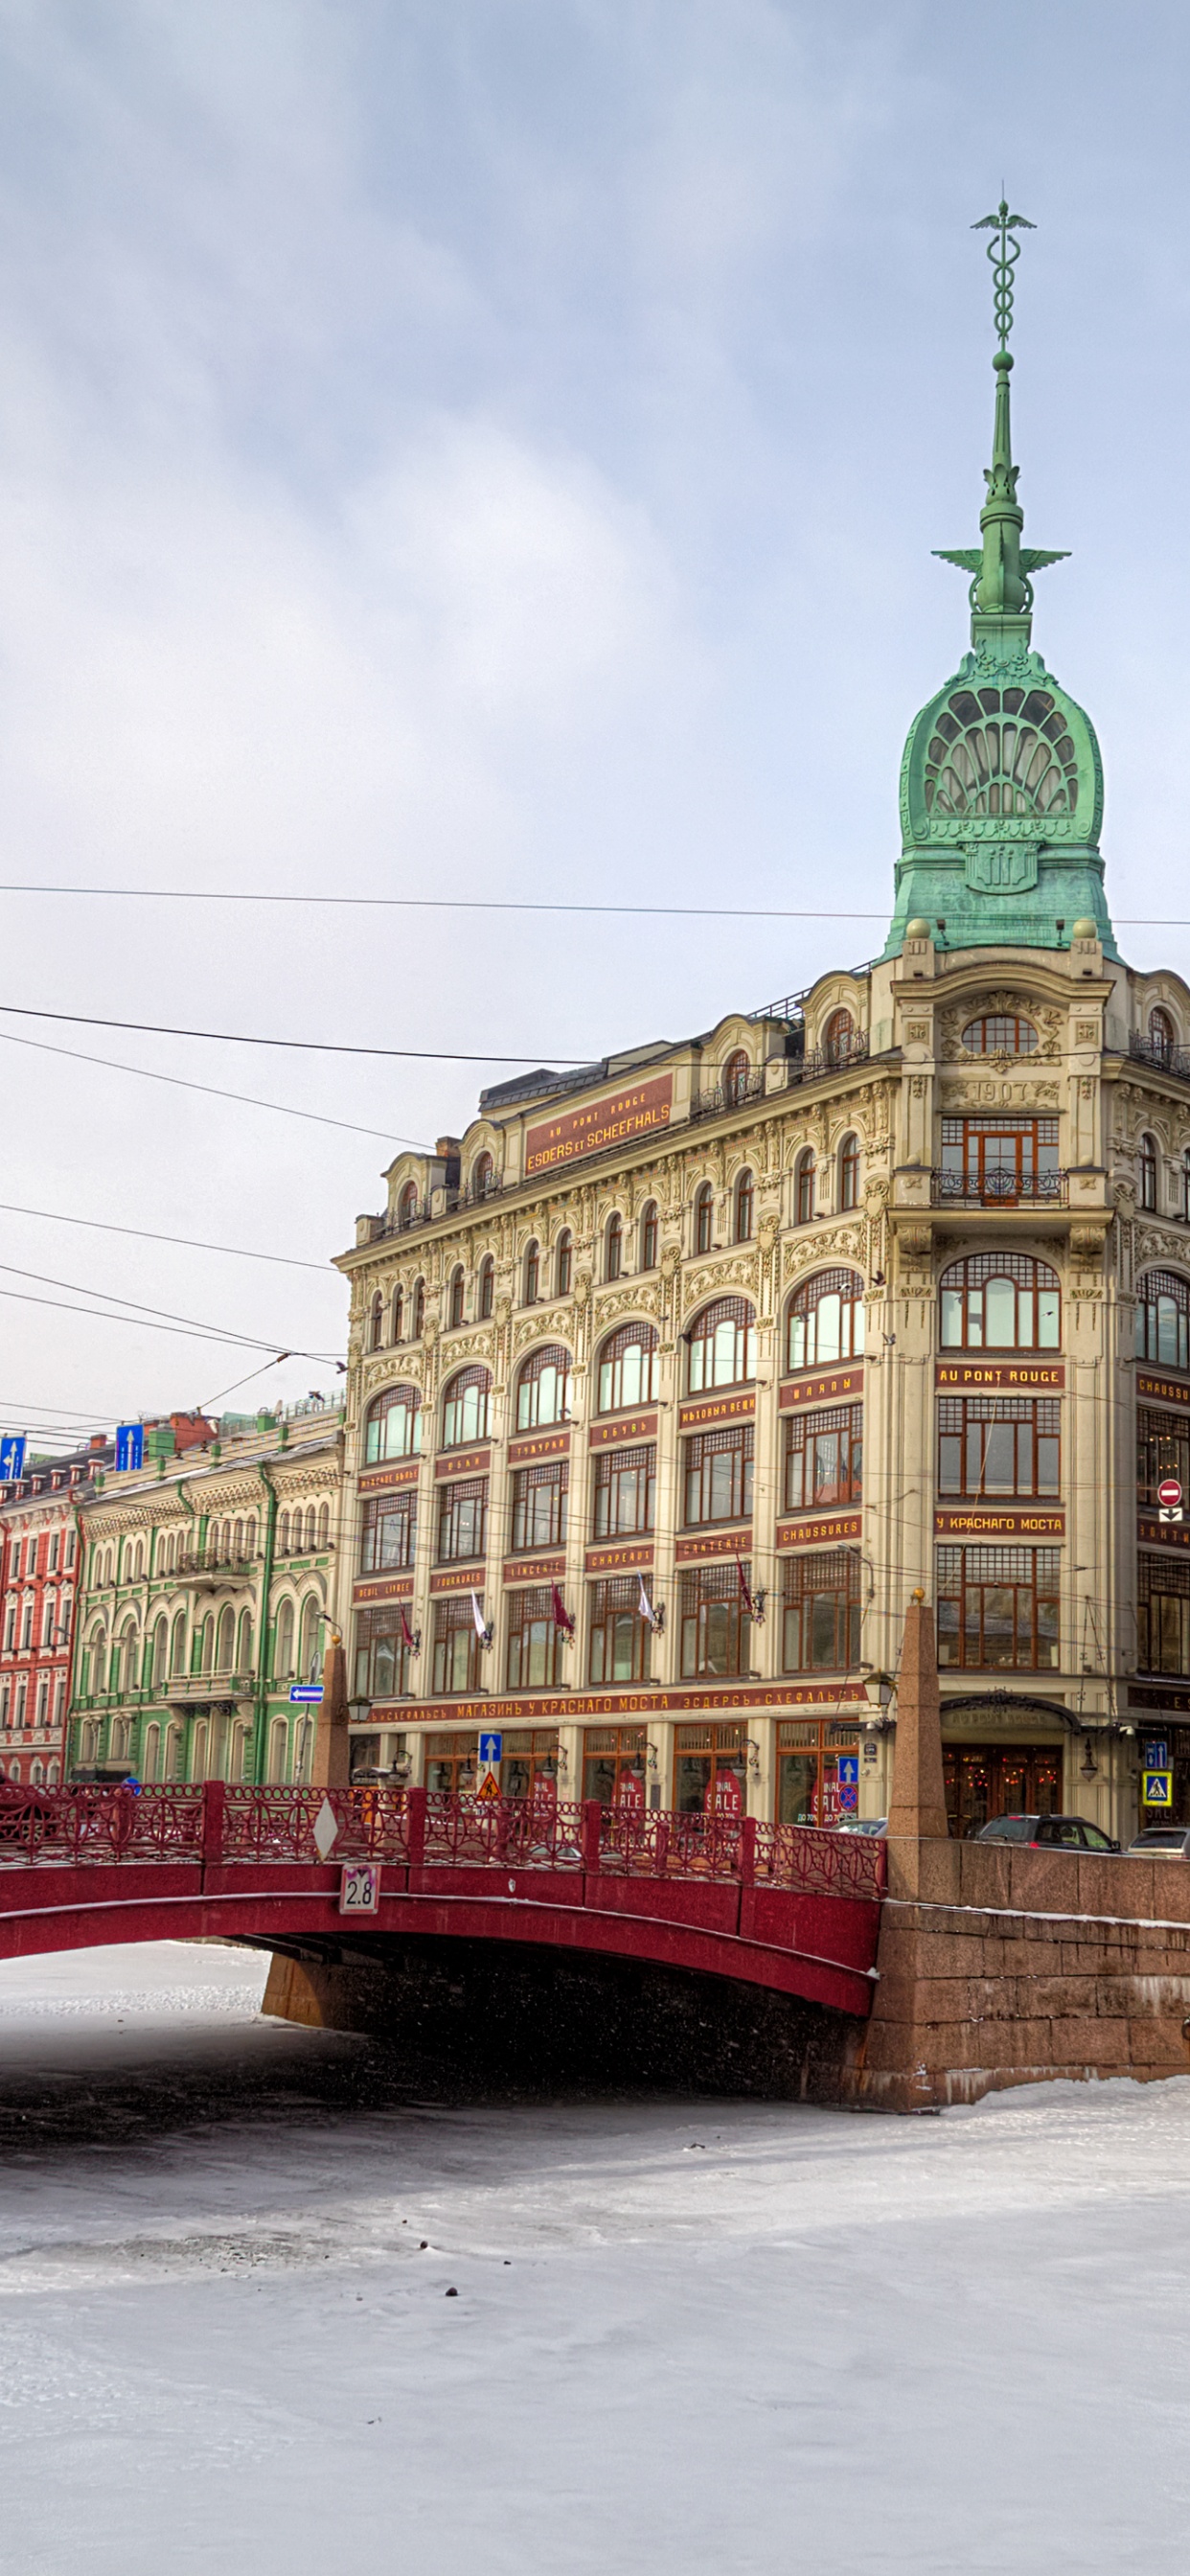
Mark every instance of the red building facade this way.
pixel 39 1572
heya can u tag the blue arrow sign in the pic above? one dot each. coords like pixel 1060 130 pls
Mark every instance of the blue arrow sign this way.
pixel 848 1768
pixel 12 1457
pixel 308 1693
pixel 130 1446
pixel 1156 1755
pixel 490 1749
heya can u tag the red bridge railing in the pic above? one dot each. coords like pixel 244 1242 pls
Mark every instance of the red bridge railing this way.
pixel 220 1825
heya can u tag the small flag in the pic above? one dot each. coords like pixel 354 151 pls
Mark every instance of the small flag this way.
pixel 646 1607
pixel 562 1618
pixel 406 1630
pixel 745 1595
pixel 483 1633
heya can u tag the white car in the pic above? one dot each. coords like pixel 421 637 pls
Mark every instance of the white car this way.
pixel 1161 1842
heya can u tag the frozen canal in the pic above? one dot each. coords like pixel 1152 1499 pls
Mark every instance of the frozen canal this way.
pixel 718 2337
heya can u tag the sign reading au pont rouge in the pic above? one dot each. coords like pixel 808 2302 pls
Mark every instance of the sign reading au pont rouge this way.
pixel 615 1120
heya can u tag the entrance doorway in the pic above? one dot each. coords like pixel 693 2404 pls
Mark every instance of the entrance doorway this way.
pixel 986 1780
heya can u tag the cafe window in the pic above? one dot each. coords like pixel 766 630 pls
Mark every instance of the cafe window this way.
pixel 710 1770
pixel 627 1368
pixel 648 1236
pixel 389 1533
pixel 715 1621
pixel 564 1262
pixel 1162 1614
pixel 1162 1449
pixel 1000 1301
pixel 621 1636
pixel 529 1768
pixel 625 1491
pixel 451 1770
pixel 615 1762
pixel 809 1790
pixel 998 1606
pixel 999 1161
pixel 1163 1319
pixel 720 1345
pixel 1148 1173
pixel 539 1505
pixel 543 1388
pixel 382 1655
pixel 704 1218
pixel 465 1408
pixel 393 1425
pixel 717 1471
pixel 1000 1033
pixel 535 1640
pixel 821 1611
pixel 826 1321
pixel 991 1447
pixel 457 1652
pixel 824 1454
pixel 462 1520
pixel 745 1198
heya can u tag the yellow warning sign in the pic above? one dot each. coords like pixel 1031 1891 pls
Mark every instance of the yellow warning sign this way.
pixel 489 1786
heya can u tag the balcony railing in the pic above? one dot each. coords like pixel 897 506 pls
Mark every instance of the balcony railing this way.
pixel 1173 1060
pixel 833 1059
pixel 474 1194
pixel 185 1688
pixel 216 1561
pixel 727 1096
pixel 998 1189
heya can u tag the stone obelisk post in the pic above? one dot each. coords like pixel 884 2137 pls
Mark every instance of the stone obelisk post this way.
pixel 331 1766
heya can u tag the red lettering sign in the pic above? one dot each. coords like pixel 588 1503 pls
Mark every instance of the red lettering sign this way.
pixel 615 1120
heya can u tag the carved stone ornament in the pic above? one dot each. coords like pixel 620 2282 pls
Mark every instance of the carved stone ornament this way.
pixel 916 1241
pixel 1086 1032
pixel 917 1032
pixel 809 1251
pixel 630 1299
pixel 1086 1245
pixel 1000 867
pixel 395 1369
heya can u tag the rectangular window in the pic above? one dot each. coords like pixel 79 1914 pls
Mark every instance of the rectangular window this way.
pixel 462 1519
pixel 43 1702
pixel 615 1762
pixel 824 1458
pixel 821 1611
pixel 710 1770
pixel 620 1638
pixel 535 1643
pixel 991 1447
pixel 382 1655
pixel 539 1506
pixel 717 1471
pixel 456 1647
pixel 998 1606
pixel 1162 1613
pixel 998 1161
pixel 625 1492
pixel 389 1533
pixel 809 1791
pixel 716 1627
pixel 1162 1449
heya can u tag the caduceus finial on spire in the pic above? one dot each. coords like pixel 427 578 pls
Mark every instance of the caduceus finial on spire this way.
pixel 1001 568
pixel 1003 255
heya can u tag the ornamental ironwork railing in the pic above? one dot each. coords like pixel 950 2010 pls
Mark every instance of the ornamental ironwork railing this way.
pixel 998 1189
pixel 1169 1059
pixel 727 1096
pixel 833 1059
pixel 216 1560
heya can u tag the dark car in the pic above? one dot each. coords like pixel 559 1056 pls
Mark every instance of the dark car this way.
pixel 1047 1833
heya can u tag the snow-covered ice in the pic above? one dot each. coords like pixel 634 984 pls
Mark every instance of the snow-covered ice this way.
pixel 687 2336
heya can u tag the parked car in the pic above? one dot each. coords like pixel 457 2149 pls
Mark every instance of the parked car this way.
pixel 1161 1842
pixel 1047 1833
pixel 862 1825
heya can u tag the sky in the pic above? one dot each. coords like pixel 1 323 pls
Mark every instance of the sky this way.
pixel 495 449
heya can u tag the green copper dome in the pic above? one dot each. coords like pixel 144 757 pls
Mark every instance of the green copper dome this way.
pixel 1002 781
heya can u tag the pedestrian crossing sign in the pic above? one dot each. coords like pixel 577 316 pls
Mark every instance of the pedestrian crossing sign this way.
pixel 1157 1789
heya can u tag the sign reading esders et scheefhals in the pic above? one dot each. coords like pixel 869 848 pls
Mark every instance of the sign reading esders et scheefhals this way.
pixel 615 1120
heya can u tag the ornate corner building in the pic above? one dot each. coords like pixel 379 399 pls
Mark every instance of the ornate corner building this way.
pixel 673 1377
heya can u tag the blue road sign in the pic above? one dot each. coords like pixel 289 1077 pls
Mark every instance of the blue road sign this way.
pixel 309 1694
pixel 1157 1756
pixel 130 1446
pixel 490 1749
pixel 12 1457
pixel 1157 1789
pixel 848 1768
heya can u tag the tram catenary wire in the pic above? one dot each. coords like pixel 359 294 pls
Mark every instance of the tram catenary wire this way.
pixel 500 903
pixel 212 1091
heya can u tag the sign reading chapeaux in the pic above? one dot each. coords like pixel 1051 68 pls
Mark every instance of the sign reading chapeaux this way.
pixel 615 1120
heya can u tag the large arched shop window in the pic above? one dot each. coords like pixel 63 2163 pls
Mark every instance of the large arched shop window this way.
pixel 543 1388
pixel 1000 1301
pixel 465 1407
pixel 826 1320
pixel 1163 1319
pixel 720 1345
pixel 392 1427
pixel 627 1367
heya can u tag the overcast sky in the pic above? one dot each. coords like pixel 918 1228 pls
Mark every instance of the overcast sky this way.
pixel 495 447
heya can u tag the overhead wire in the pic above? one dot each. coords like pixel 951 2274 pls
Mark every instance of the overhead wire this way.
pixel 500 903
pixel 212 1091
pixel 198 1333
pixel 142 1234
pixel 301 1046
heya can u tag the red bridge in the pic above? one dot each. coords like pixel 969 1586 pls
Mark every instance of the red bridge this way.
pixel 785 1907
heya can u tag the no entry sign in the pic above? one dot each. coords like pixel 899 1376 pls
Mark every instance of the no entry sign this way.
pixel 1169 1493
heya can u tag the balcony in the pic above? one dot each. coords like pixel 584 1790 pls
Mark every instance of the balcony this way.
pixel 1174 1060
pixel 835 1059
pixel 1001 1191
pixel 727 1096
pixel 190 1690
pixel 210 1565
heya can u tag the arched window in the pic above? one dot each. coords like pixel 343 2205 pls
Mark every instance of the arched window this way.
pixel 838 1037
pixel 543 1388
pixel 160 1652
pixel 278 1748
pixel 1000 1033
pixel 457 1284
pixel 376 1323
pixel 648 1236
pixel 206 1645
pixel 1000 1301
pixel 283 1534
pixel 225 1648
pixel 308 1649
pixel 532 1273
pixel 849 1172
pixel 127 1674
pixel 392 1426
pixel 177 1652
pixel 324 1526
pixel 564 1261
pixel 826 1320
pixel 487 1288
pixel 419 1310
pixel 720 1344
pixel 311 1529
pixel 1163 1319
pixel 1161 1033
pixel 244 1649
pixel 744 1201
pixel 284 1640
pixel 803 1189
pixel 407 1204
pixel 251 1535
pixel 152 1752
pixel 735 1078
pixel 482 1171
pixel 627 1368
pixel 704 1218
pixel 1148 1172
pixel 398 1314
pixel 1003 752
pixel 465 1407
pixel 613 1248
